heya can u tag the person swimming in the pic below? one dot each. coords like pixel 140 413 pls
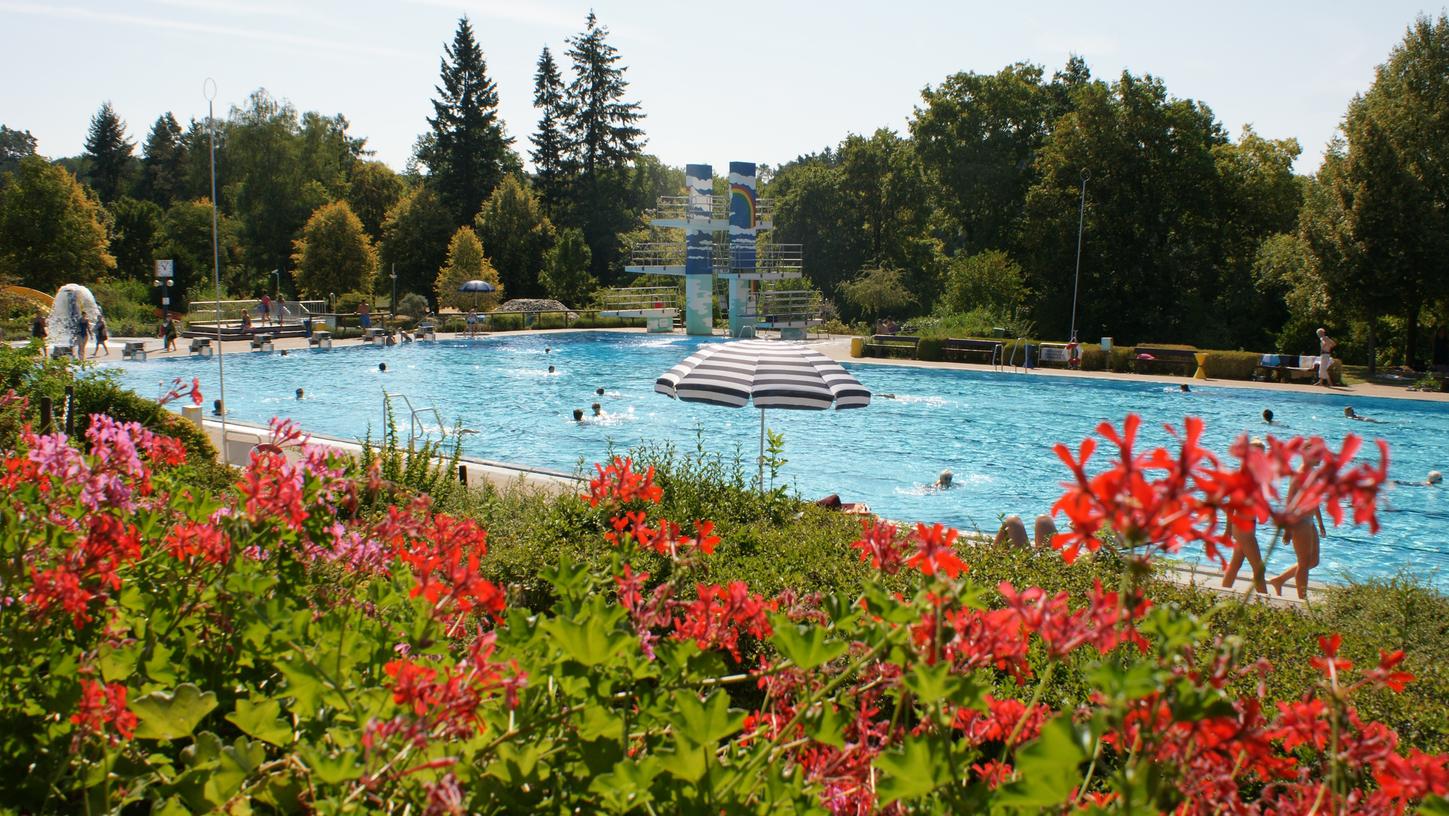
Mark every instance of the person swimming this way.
pixel 382 367
pixel 599 390
pixel 579 415
pixel 1183 387
pixel 299 393
pixel 943 481
pixel 1432 480
pixel 598 409
pixel 1268 415
pixel 1349 412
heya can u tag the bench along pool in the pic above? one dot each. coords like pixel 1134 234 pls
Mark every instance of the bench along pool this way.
pixel 993 430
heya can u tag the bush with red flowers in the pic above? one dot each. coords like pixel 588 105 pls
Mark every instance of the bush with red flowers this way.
pixel 294 643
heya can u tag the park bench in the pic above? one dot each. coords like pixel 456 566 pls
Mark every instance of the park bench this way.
pixel 134 350
pixel 956 348
pixel 1288 367
pixel 262 342
pixel 1144 358
pixel 320 340
pixel 200 346
pixel 888 344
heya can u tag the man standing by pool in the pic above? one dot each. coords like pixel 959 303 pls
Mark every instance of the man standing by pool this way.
pixel 1326 345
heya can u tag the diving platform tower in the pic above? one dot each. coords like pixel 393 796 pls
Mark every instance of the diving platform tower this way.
pixel 721 241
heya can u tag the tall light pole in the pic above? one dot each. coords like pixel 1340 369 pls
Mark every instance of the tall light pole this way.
pixel 208 88
pixel 1077 278
pixel 394 290
pixel 277 289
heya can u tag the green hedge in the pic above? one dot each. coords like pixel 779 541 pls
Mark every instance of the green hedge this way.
pixel 1231 365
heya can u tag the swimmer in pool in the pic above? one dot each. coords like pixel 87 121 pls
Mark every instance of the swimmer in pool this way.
pixel 299 393
pixel 1268 416
pixel 1432 480
pixel 943 482
pixel 1349 412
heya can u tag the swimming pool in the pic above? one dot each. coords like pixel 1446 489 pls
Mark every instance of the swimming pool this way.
pixel 993 430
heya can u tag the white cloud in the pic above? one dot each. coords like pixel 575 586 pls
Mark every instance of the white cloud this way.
pixel 254 34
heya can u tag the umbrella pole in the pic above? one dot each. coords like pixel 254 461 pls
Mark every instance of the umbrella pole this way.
pixel 760 460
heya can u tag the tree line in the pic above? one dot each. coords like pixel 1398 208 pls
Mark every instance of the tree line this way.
pixel 968 219
pixel 971 216
pixel 303 207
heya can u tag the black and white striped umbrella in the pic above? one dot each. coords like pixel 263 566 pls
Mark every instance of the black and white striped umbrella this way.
pixel 771 374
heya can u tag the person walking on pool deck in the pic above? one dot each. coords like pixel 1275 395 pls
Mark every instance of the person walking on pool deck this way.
pixel 102 335
pixel 1245 545
pixel 1013 530
pixel 1326 345
pixel 265 309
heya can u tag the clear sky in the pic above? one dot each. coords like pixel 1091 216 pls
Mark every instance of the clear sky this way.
pixel 748 81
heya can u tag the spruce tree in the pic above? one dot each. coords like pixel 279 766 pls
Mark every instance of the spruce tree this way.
pixel 601 125
pixel 603 139
pixel 550 146
pixel 162 162
pixel 109 153
pixel 467 152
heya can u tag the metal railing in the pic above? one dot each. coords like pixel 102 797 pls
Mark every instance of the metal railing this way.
pixel 773 307
pixel 284 312
pixel 658 254
pixel 639 297
pixel 676 208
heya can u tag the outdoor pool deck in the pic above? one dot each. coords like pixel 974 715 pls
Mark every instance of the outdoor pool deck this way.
pixel 242 435
pixel 838 347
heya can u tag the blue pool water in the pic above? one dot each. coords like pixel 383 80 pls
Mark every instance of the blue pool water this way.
pixel 993 430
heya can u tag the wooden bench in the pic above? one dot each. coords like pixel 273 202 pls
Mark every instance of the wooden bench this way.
pixel 134 351
pixel 262 342
pixel 1144 357
pixel 888 344
pixel 991 350
pixel 1287 367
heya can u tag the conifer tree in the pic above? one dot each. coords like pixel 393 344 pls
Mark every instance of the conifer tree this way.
pixel 162 162
pixel 603 138
pixel 466 151
pixel 602 127
pixel 109 153
pixel 550 145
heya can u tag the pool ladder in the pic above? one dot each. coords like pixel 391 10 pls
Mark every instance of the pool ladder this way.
pixel 417 428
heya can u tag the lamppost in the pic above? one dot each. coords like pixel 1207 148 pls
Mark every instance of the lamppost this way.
pixel 277 288
pixel 394 290
pixel 332 302
pixel 1077 278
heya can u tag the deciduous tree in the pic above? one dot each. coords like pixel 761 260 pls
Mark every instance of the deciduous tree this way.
pixel 186 239
pixel 516 236
pixel 879 291
pixel 415 239
pixel 333 253
pixel 466 262
pixel 373 190
pixel 50 229
pixel 566 275
pixel 14 146
pixel 136 235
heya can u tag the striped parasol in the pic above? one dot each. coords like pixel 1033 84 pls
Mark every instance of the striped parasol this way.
pixel 770 374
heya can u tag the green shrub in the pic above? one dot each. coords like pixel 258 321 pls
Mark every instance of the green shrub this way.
pixel 929 349
pixel 1231 365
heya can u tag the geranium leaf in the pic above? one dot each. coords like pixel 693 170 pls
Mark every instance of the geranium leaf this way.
pixel 172 715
